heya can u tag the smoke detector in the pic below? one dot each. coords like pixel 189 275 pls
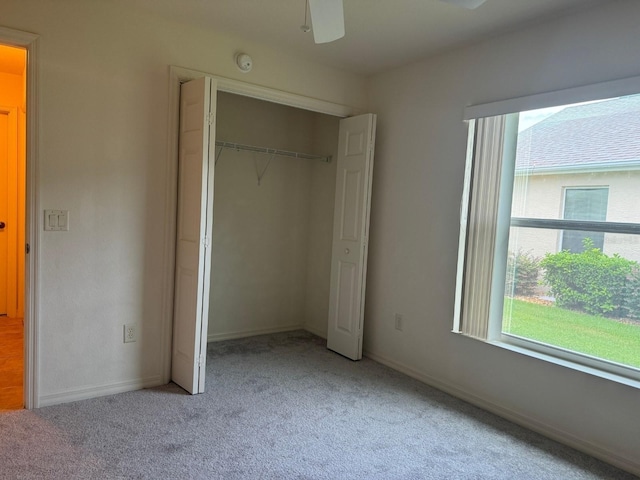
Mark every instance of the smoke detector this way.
pixel 244 62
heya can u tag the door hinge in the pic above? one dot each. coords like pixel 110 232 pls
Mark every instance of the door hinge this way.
pixel 27 248
pixel 201 361
pixel 205 242
pixel 211 118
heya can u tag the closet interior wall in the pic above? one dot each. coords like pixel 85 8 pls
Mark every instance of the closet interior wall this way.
pixel 271 256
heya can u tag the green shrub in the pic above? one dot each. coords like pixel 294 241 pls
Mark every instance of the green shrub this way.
pixel 590 281
pixel 523 270
pixel 631 292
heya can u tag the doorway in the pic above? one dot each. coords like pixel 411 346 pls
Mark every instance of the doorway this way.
pixel 196 127
pixel 13 103
pixel 177 77
pixel 292 196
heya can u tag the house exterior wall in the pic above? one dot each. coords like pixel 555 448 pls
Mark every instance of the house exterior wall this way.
pixel 542 196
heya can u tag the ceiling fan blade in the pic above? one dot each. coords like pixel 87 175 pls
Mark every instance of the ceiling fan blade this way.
pixel 327 18
pixel 470 4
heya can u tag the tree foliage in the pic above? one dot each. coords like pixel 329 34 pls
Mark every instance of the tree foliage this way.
pixel 523 270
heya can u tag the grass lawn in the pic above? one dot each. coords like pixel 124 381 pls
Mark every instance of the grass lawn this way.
pixel 580 332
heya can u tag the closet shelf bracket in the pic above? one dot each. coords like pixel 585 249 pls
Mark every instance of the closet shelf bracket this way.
pixel 218 154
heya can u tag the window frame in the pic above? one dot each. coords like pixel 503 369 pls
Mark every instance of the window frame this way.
pixel 492 283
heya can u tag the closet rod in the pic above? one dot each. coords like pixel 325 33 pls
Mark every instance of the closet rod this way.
pixel 273 151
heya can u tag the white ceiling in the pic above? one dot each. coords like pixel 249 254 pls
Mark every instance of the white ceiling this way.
pixel 380 34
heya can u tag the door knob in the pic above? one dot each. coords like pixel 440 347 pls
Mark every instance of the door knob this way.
pixel 347 251
pixel 2 225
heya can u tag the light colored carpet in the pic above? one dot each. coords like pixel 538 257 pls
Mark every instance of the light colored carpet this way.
pixel 283 407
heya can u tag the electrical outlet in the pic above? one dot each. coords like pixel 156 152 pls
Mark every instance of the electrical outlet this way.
pixel 130 334
pixel 399 319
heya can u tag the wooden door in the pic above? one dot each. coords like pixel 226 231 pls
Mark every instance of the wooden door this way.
pixel 9 224
pixel 4 209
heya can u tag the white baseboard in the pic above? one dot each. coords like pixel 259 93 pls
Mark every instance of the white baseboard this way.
pixel 98 391
pixel 315 331
pixel 598 451
pixel 217 337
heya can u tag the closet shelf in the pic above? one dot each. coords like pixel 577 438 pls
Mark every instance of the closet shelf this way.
pixel 272 151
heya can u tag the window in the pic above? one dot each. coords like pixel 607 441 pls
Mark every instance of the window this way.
pixel 549 257
pixel 584 204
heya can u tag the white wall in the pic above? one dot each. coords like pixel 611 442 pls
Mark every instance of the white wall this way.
pixel 104 92
pixel 420 156
pixel 268 249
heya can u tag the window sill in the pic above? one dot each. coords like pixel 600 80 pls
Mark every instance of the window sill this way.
pixel 563 362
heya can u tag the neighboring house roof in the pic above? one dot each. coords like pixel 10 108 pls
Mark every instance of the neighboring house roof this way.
pixel 584 137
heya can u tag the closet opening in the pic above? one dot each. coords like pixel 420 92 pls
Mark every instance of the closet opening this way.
pixel 269 234
pixel 273 218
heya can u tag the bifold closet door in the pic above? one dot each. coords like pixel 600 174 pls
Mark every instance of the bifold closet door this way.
pixel 193 237
pixel 350 235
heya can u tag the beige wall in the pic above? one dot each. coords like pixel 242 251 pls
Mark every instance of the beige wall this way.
pixel 542 196
pixel 415 215
pixel 270 249
pixel 103 105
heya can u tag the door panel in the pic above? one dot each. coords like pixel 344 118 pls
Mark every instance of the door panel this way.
pixel 4 208
pixel 350 207
pixel 350 235
pixel 193 236
pixel 346 319
pixel 9 200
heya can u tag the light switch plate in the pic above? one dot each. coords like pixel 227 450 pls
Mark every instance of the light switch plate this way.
pixel 56 220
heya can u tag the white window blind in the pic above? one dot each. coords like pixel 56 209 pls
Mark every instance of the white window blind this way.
pixel 479 232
